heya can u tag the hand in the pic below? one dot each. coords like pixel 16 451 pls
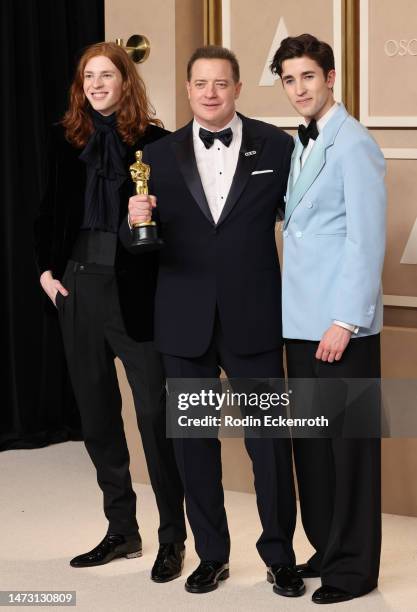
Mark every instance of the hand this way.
pixel 51 286
pixel 140 208
pixel 333 343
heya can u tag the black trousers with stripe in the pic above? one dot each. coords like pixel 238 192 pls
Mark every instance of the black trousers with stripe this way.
pixel 199 462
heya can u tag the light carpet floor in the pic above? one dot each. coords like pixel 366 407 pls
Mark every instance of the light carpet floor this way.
pixel 50 510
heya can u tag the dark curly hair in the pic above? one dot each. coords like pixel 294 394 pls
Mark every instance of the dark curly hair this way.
pixel 305 44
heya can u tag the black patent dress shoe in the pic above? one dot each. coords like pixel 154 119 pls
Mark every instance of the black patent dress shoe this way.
pixel 207 576
pixel 330 595
pixel 169 562
pixel 304 570
pixel 111 547
pixel 286 581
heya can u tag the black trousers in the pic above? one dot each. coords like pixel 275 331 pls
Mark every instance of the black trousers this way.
pixel 94 333
pixel 199 462
pixel 339 479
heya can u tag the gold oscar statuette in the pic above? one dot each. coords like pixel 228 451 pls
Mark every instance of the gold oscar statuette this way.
pixel 144 235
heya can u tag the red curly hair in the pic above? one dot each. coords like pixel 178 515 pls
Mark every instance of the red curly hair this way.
pixel 135 111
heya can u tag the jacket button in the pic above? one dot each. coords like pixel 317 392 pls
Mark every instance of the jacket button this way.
pixel 285 233
pixel 309 204
pixel 298 234
pixel 81 267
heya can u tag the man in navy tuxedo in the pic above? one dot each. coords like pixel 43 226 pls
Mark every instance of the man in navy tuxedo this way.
pixel 217 185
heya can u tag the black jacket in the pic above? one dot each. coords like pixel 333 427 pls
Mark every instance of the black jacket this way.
pixel 60 218
pixel 232 265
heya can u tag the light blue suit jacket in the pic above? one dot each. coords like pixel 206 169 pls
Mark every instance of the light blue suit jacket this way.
pixel 334 233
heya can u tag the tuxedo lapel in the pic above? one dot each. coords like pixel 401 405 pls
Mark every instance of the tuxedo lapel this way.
pixel 315 161
pixel 307 176
pixel 295 168
pixel 184 153
pixel 248 156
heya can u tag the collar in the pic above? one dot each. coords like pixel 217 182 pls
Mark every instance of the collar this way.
pixel 235 124
pixel 103 121
pixel 323 120
pixel 330 132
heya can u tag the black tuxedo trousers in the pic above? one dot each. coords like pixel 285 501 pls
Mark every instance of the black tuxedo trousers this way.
pixel 339 479
pixel 94 334
pixel 199 462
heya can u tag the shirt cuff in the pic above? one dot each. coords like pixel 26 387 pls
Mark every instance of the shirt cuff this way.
pixel 128 221
pixel 352 328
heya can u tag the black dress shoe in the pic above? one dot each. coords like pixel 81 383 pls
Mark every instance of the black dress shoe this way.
pixel 207 576
pixel 330 595
pixel 110 547
pixel 304 570
pixel 169 562
pixel 286 581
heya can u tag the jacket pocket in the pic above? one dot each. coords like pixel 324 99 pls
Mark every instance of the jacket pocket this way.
pixel 342 234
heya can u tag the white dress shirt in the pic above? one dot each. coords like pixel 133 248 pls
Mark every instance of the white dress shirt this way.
pixel 217 165
pixel 304 156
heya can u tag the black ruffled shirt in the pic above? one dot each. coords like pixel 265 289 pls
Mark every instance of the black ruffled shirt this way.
pixel 104 156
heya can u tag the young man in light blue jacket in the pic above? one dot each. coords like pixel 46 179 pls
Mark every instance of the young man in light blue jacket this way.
pixel 334 243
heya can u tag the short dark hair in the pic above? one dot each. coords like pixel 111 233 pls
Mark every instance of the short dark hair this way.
pixel 305 44
pixel 214 52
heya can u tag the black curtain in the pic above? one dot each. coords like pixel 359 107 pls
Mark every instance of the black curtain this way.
pixel 40 42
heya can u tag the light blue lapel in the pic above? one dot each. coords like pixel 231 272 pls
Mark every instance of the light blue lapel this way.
pixel 295 161
pixel 307 176
pixel 314 163
pixel 295 164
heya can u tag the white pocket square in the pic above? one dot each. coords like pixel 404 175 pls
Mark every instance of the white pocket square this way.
pixel 261 171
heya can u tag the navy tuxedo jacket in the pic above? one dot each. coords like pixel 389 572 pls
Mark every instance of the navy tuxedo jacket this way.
pixel 231 266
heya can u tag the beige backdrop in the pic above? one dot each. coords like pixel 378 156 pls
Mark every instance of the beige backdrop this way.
pixel 399 278
pixel 252 32
pixel 175 27
pixel 392 88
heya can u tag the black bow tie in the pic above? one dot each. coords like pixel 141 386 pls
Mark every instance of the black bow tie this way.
pixel 305 133
pixel 225 136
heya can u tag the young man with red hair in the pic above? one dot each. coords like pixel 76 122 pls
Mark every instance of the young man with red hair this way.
pixel 104 297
